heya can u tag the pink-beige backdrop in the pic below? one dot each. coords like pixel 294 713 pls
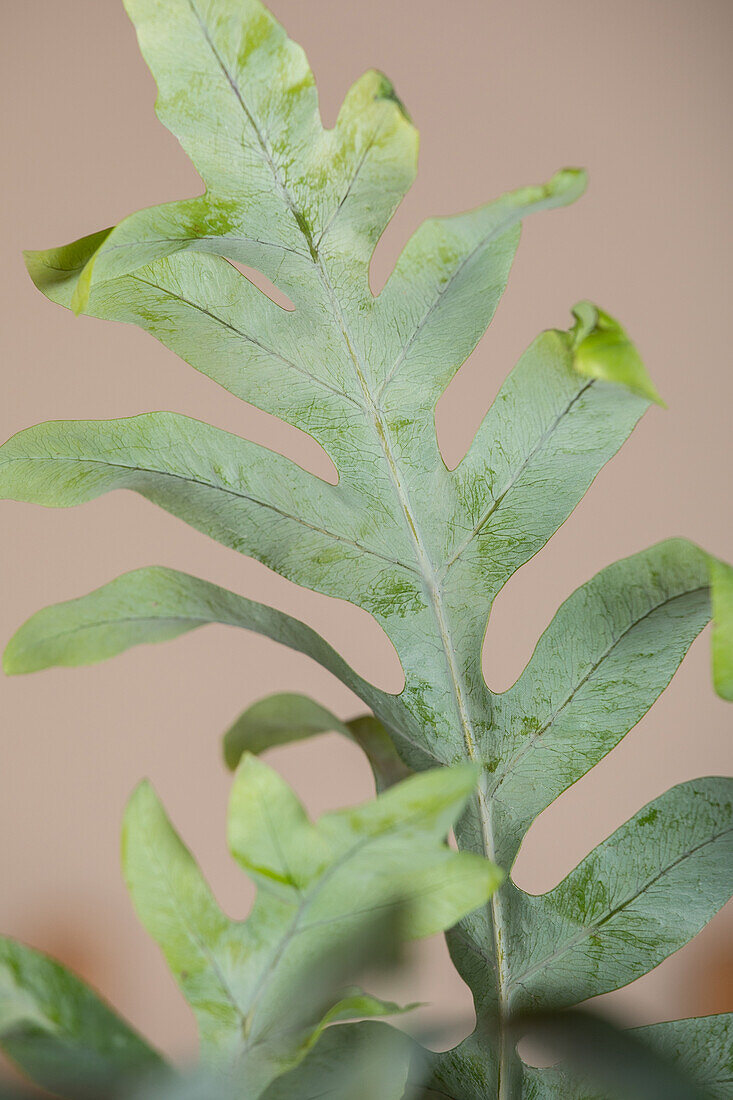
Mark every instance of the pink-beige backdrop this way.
pixel 504 93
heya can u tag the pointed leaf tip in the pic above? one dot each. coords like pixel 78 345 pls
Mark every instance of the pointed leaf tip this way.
pixel 143 795
pixel 139 804
pixel 604 351
pixel 11 666
pixel 568 184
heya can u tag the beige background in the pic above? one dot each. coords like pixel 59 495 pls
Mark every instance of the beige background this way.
pixel 504 93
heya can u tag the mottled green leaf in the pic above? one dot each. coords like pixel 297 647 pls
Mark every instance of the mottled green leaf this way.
pixel 639 896
pixel 604 659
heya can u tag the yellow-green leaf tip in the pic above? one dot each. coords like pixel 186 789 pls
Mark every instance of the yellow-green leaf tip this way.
pixel 603 350
pixel 15 657
pixel 721 595
pixel 10 666
pixel 568 184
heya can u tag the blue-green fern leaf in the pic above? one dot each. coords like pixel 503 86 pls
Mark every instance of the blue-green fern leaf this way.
pixel 423 549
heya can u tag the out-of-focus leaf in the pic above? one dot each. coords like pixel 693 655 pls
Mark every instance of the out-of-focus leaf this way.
pixel 285 718
pixel 60 1033
pixel 680 1060
pixel 251 984
pixel 362 1061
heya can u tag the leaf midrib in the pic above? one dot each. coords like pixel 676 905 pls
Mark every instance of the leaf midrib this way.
pixel 425 565
pixel 537 734
pixel 517 473
pixel 199 941
pixel 355 175
pixel 219 489
pixel 267 153
pixel 587 930
pixel 496 232
pixel 425 568
pixel 251 339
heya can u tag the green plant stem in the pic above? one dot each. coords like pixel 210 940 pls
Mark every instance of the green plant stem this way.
pixel 498 937
pixel 432 587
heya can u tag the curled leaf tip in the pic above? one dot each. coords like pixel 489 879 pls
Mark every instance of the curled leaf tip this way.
pixel 80 297
pixel 58 272
pixel 569 182
pixel 385 90
pixel 604 351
